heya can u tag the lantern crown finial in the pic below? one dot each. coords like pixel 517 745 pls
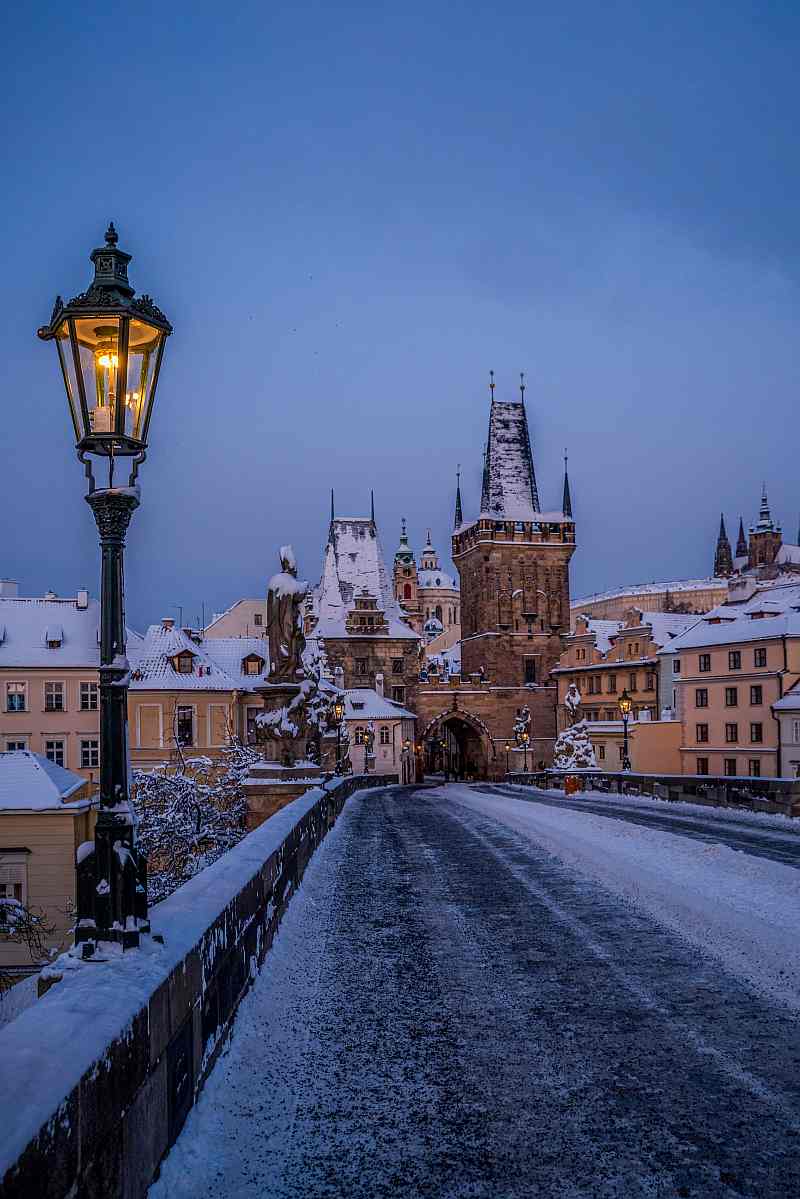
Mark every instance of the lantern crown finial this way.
pixel 112 237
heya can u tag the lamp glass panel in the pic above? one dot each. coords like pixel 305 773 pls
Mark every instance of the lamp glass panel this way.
pixel 98 343
pixel 70 374
pixel 143 347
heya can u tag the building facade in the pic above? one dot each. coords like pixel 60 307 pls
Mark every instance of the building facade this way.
pixel 731 669
pixel 513 564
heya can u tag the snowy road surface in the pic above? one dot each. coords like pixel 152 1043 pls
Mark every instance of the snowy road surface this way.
pixel 460 1002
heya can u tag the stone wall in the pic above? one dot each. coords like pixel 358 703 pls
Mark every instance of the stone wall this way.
pixel 101 1072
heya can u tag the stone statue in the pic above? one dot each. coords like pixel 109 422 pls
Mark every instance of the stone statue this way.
pixel 285 599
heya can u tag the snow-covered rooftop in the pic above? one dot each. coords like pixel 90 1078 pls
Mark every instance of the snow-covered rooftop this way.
pixel 27 625
pixel 362 703
pixel 729 623
pixel 31 782
pixel 354 561
pixel 788 554
pixel 652 589
pixel 436 578
pixel 216 666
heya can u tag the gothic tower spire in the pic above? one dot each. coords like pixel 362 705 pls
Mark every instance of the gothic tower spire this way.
pixel 741 541
pixel 459 516
pixel 723 560
pixel 566 506
pixel 509 489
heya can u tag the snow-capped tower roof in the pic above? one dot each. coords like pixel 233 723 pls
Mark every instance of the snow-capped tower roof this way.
pixel 354 563
pixel 509 483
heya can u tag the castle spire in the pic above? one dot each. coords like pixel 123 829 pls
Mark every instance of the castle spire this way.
pixel 741 541
pixel 764 514
pixel 723 560
pixel 459 516
pixel 566 506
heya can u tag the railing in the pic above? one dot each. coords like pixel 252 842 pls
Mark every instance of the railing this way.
pixel 101 1072
pixel 719 791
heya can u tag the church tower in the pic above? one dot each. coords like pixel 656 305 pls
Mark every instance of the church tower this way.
pixel 723 558
pixel 765 537
pixel 513 560
pixel 406 581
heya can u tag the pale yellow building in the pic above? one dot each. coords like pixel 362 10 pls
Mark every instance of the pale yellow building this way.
pixel 46 814
pixel 245 618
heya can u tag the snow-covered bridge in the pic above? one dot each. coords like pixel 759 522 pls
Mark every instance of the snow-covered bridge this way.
pixel 478 993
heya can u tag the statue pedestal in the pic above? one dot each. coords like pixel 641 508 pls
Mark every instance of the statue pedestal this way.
pixel 270 787
pixel 279 744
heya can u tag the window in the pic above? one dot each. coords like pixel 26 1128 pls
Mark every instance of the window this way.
pixel 601 752
pixel 397 665
pixel 361 665
pixel 14 877
pixel 649 682
pixel 756 695
pixel 621 750
pixel 701 733
pixel 756 732
pixel 796 732
pixel 406 591
pixel 612 684
pixel 399 695
pixel 12 745
pixel 90 754
pixel 676 666
pixel 731 697
pixel 253 664
pixel 359 735
pixel 701 697
pixel 609 714
pixel 89 694
pixel 754 768
pixel 731 733
pixel 15 697
pixel 54 752
pixel 704 663
pixel 184 663
pixel 734 659
pixel 258 618
pixel 184 725
pixel 250 715
pixel 632 682
pixel 54 697
pixel 530 672
pixel 730 766
pixel 760 657
pixel 580 655
pixel 702 765
pixel 385 739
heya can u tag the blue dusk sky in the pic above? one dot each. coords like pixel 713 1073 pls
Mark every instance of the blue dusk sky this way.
pixel 351 212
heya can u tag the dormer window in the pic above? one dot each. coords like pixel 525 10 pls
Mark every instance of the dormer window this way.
pixel 252 664
pixel 53 636
pixel 183 663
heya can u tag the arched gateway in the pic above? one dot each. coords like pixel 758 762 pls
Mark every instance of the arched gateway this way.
pixel 460 743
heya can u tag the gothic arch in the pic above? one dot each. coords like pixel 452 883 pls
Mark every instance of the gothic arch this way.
pixel 474 722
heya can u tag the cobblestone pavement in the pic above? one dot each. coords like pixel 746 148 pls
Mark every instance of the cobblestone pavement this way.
pixel 448 1011
pixel 779 844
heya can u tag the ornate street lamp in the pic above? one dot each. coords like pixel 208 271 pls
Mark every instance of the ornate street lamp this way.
pixel 338 715
pixel 625 707
pixel 525 738
pixel 110 346
pixel 508 747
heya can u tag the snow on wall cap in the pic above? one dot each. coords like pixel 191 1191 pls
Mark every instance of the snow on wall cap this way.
pixel 167 622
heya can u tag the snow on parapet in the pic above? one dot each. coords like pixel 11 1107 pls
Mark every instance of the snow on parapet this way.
pixel 509 484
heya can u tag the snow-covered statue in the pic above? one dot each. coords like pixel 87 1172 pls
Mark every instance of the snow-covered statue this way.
pixel 573 749
pixel 285 603
pixel 522 725
pixel 572 702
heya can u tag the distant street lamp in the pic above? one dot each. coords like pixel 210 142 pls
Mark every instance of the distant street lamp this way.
pixel 110 348
pixel 625 707
pixel 508 747
pixel 338 715
pixel 525 738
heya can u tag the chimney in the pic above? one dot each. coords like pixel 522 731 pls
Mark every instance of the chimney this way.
pixel 82 599
pixel 167 622
pixel 379 684
pixel 338 677
pixel 9 589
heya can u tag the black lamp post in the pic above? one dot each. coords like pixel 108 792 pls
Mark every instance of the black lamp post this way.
pixel 508 747
pixel 525 738
pixel 625 707
pixel 110 346
pixel 338 714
